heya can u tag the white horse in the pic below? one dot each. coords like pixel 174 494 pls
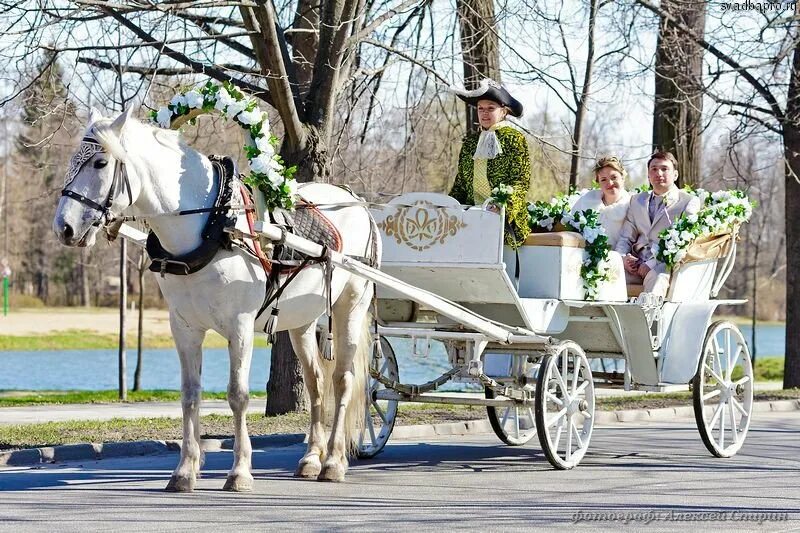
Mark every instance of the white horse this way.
pixel 126 167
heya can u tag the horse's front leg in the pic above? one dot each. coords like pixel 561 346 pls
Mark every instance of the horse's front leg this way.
pixel 240 349
pixel 304 342
pixel 189 343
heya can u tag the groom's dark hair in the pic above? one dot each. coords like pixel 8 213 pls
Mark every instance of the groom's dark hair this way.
pixel 663 154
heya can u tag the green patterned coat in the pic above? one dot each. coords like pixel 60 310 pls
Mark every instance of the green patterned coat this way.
pixel 513 168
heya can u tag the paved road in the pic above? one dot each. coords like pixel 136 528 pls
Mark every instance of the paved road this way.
pixel 638 471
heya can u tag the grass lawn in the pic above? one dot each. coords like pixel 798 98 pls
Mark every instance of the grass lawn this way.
pixel 77 339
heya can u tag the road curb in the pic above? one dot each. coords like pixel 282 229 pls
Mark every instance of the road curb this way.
pixel 93 451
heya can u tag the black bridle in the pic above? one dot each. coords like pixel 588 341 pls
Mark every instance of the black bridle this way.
pixel 120 179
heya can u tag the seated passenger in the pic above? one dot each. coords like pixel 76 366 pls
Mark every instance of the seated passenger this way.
pixel 497 155
pixel 648 214
pixel 610 200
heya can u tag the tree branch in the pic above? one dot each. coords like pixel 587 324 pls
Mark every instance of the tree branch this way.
pixel 151 71
pixel 198 67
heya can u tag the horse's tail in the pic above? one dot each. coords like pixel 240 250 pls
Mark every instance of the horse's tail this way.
pixel 356 408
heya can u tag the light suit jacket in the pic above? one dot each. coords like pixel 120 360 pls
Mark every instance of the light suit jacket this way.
pixel 638 234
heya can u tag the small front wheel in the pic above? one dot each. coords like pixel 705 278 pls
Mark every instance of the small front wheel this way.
pixel 513 424
pixel 722 390
pixel 565 405
pixel 380 415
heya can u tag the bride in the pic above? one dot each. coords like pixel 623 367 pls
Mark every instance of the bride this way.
pixel 610 200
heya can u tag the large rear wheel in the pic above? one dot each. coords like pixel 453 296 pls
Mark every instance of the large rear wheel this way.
pixel 723 390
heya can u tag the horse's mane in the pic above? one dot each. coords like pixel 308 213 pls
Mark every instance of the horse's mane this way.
pixel 121 148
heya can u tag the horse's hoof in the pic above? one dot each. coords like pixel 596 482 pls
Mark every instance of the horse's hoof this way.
pixel 308 469
pixel 180 484
pixel 238 483
pixel 332 472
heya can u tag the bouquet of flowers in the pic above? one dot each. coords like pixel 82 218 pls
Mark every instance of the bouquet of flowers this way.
pixel 721 211
pixel 596 267
pixel 267 170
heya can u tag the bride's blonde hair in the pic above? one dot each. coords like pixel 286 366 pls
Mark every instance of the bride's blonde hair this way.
pixel 611 161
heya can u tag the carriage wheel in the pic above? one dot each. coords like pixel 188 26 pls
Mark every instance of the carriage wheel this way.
pixel 380 415
pixel 723 390
pixel 514 424
pixel 565 405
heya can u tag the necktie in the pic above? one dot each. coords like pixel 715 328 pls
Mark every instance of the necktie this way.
pixel 656 203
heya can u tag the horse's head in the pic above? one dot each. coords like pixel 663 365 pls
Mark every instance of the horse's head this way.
pixel 96 187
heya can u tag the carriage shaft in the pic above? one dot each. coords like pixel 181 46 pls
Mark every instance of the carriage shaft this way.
pixel 461 399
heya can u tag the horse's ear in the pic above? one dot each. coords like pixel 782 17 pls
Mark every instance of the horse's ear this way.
pixel 94 115
pixel 120 121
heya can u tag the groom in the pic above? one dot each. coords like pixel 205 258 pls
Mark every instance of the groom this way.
pixel 648 214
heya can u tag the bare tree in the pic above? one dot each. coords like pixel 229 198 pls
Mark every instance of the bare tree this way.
pixel 677 115
pixel 764 58
pixel 479 47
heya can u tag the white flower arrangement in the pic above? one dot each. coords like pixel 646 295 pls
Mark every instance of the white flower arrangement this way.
pixel 267 170
pixel 595 268
pixel 721 211
pixel 502 194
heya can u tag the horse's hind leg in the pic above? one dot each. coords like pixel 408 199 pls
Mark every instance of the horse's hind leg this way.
pixel 349 312
pixel 304 342
pixel 240 349
pixel 189 342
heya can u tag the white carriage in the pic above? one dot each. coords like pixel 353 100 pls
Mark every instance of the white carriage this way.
pixel 542 380
pixel 517 325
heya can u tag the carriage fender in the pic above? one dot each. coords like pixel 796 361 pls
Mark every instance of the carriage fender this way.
pixel 683 340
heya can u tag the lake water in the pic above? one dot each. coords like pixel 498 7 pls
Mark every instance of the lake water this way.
pixel 97 369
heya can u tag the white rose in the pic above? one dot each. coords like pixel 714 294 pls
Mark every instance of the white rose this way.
pixel 164 117
pixel 261 164
pixel 691 218
pixel 292 184
pixel 590 234
pixel 194 99
pixel 234 108
pixel 177 100
pixel 264 146
pixel 679 256
pixel 275 177
pixel 547 223
pixel 251 117
pixel 224 99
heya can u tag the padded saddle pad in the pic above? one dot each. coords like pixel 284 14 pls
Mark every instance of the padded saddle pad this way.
pixel 309 222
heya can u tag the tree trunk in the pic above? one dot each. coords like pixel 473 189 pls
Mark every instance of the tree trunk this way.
pixel 677 120
pixel 580 107
pixel 479 48
pixel 137 375
pixel 285 390
pixel 791 145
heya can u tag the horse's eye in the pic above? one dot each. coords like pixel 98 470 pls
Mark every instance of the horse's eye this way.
pixel 100 163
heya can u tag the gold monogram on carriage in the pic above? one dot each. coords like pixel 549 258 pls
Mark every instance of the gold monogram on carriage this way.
pixel 421 225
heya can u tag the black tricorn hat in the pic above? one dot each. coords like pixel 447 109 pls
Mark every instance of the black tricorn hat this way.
pixel 490 90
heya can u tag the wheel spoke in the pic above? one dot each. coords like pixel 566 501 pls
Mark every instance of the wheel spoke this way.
pixel 372 436
pixel 714 374
pixel 582 388
pixel 734 425
pixel 722 427
pixel 380 412
pixel 742 380
pixel 569 439
pixel 728 352
pixel 576 370
pixel 558 437
pixel 577 435
pixel 739 350
pixel 738 406
pixel 717 411
pixel 713 393
pixel 558 416
pixel 555 399
pixel 506 412
pixel 516 422
pixel 561 382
